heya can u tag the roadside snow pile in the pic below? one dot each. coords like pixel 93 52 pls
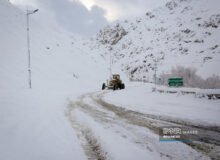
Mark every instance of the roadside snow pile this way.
pixel 186 108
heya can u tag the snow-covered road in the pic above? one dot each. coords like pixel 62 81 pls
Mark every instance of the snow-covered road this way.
pixel 108 131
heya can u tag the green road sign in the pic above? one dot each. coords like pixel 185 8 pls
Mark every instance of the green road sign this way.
pixel 175 81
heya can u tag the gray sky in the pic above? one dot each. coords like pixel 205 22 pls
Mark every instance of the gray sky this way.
pixel 86 17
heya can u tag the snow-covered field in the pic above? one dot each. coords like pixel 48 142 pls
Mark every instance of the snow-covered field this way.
pixel 186 107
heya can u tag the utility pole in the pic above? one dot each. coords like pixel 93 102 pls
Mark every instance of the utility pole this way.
pixel 110 65
pixel 155 74
pixel 28 45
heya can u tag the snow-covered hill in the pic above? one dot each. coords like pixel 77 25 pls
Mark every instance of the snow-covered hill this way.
pixel 183 32
pixel 57 57
pixel 32 121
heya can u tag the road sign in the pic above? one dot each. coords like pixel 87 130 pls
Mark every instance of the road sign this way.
pixel 175 81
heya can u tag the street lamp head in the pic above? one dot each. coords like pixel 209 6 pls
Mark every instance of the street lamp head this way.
pixel 32 12
pixel 35 10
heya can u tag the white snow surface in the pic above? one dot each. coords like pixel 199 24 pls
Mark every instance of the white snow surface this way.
pixel 188 108
pixel 33 124
pixel 32 121
pixel 111 141
pixel 121 140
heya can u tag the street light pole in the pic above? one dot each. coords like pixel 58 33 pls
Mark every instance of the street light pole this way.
pixel 155 74
pixel 110 65
pixel 28 45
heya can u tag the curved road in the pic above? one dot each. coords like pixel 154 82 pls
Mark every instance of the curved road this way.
pixel 138 128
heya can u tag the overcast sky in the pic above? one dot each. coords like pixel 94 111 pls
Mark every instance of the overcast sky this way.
pixel 86 17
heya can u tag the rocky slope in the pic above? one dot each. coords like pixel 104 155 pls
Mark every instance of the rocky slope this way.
pixel 183 32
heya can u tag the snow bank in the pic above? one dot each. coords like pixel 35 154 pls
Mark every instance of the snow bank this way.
pixel 184 107
pixel 32 126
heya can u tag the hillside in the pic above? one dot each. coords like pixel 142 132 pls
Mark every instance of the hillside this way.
pixel 32 121
pixel 58 58
pixel 183 32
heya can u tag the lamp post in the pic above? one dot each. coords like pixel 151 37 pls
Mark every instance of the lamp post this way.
pixel 155 74
pixel 110 65
pixel 28 45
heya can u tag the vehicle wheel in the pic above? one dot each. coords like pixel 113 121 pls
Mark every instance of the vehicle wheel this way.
pixel 103 86
pixel 114 87
pixel 122 86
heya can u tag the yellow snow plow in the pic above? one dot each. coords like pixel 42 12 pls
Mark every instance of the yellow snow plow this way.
pixel 114 83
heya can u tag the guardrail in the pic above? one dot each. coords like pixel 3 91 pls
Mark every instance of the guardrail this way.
pixel 209 95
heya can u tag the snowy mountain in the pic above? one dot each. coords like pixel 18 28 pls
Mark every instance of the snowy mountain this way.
pixel 183 32
pixel 58 58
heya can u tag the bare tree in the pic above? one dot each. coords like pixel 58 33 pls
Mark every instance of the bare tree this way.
pixel 191 79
